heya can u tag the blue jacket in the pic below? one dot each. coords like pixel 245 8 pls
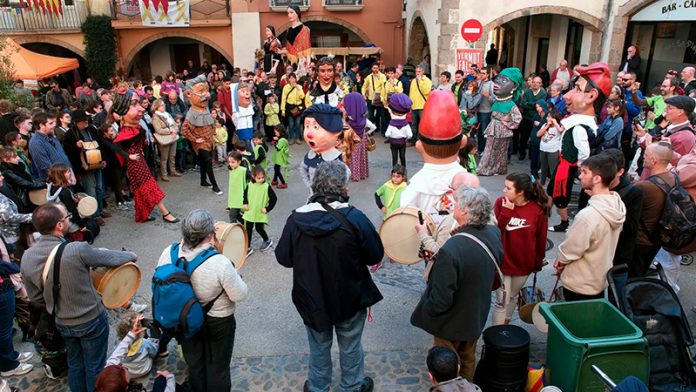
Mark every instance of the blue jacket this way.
pixel 45 151
pixel 631 109
pixel 331 282
pixel 609 134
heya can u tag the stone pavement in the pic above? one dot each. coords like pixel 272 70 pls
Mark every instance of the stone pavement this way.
pixel 270 351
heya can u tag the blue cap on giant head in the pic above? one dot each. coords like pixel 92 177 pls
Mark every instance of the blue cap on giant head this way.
pixel 328 117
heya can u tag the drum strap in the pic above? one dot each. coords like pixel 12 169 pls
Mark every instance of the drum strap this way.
pixel 342 218
pixel 54 258
pixel 499 273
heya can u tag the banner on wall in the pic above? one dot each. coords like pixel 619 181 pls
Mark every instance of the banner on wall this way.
pixel 163 13
pixel 469 56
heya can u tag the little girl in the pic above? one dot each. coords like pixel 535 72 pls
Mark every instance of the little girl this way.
pixel 260 150
pixel 391 191
pixel 467 155
pixel 522 213
pixel 271 110
pixel 281 157
pixel 220 139
pixel 399 131
pixel 239 177
pixel 259 200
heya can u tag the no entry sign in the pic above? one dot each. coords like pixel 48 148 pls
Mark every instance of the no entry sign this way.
pixel 472 30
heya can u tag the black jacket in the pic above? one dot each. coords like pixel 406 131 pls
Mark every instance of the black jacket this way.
pixel 461 91
pixel 633 64
pixel 21 183
pixel 632 197
pixel 70 145
pixel 456 301
pixel 331 282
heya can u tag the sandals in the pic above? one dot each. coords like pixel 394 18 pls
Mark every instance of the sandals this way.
pixel 175 220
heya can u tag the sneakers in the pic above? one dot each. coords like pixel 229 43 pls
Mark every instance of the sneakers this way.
pixel 367 384
pixel 122 206
pixel 560 228
pixel 22 368
pixel 206 184
pixel 282 186
pixel 249 252
pixel 25 357
pixel 274 182
pixel 137 308
pixel 374 268
pixel 266 244
pixel 217 191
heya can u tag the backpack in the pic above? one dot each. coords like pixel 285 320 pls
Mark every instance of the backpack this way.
pixel 175 307
pixel 677 224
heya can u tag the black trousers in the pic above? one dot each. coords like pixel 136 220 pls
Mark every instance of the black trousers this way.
pixel 398 151
pixel 571 296
pixel 643 256
pixel 205 163
pixel 209 353
pixel 278 174
pixel 520 137
pixel 259 229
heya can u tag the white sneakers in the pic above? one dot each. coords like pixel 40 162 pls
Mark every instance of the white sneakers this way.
pixel 22 368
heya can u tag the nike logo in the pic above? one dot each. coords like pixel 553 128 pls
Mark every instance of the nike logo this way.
pixel 516 224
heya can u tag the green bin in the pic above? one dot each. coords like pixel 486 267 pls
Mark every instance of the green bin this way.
pixel 594 332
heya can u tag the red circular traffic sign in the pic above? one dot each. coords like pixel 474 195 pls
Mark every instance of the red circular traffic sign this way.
pixel 472 30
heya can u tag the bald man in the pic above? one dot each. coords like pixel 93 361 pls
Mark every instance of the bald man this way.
pixel 432 244
pixel 656 158
pixel 688 76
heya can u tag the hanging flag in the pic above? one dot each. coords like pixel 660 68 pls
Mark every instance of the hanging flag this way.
pixel 163 13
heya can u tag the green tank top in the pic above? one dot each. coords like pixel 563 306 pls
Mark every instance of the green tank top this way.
pixel 257 196
pixel 235 189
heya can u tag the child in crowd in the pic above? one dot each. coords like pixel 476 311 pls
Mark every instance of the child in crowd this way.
pixel 399 131
pixel 220 140
pixel 135 352
pixel 238 180
pixel 271 110
pixel 538 121
pixel 180 158
pixel 551 134
pixel 260 151
pixel 467 155
pixel 391 191
pixel 281 157
pixel 259 200
pixel 241 148
pixel 443 370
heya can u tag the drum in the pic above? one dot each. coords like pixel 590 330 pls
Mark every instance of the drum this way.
pixel 231 241
pixel 91 158
pixel 38 197
pixel 116 285
pixel 504 359
pixel 399 236
pixel 86 205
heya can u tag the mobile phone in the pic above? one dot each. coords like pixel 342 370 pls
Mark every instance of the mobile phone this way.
pixel 420 217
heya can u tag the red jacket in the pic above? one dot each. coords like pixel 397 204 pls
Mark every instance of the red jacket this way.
pixel 224 96
pixel 523 230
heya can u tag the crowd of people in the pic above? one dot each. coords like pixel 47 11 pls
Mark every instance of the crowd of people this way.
pixel 623 147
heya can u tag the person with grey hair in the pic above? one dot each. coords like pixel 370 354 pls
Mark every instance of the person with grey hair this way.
pixel 455 305
pixel 330 244
pixel 209 352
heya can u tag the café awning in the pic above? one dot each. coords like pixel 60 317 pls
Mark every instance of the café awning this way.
pixel 28 65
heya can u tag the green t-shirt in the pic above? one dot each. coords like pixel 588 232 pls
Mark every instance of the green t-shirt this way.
pixel 391 195
pixel 658 104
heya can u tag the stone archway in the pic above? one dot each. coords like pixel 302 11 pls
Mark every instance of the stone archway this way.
pixel 329 19
pixel 45 39
pixel 142 44
pixel 418 40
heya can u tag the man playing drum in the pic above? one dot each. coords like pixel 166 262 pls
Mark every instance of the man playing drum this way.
pixel 79 314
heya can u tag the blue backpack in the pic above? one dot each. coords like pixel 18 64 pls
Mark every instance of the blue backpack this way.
pixel 175 307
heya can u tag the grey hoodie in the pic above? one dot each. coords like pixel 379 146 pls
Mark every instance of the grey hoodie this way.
pixel 590 243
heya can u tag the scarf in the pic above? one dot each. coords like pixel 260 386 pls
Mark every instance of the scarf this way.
pixel 356 109
pixel 398 122
pixel 167 118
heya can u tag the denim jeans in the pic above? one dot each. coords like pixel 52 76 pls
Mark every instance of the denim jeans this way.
pixel 294 128
pixel 484 119
pixel 86 344
pixel 349 335
pixel 93 182
pixel 8 355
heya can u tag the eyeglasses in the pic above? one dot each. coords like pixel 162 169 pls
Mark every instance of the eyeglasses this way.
pixel 68 216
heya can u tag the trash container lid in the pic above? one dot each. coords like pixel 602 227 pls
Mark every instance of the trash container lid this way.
pixel 506 336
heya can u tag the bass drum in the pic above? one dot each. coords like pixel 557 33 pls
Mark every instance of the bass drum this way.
pixel 116 285
pixel 231 240
pixel 399 235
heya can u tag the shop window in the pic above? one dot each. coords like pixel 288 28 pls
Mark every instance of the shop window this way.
pixel 690 52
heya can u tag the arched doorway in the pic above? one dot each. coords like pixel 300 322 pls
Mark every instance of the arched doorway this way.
pixel 69 80
pixel 418 44
pixel 171 54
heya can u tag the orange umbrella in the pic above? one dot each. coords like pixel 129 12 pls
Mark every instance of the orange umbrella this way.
pixel 28 65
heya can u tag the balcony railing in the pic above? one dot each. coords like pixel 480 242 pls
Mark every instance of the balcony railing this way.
pixel 282 5
pixel 343 5
pixel 16 20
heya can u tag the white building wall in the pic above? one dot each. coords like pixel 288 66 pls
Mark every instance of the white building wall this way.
pixel 244 26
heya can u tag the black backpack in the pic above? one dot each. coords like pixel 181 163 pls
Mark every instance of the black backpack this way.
pixel 677 225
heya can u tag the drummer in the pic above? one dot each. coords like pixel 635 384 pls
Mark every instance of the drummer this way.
pixel 78 307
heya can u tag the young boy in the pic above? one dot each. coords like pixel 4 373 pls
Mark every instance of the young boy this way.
pixel 260 151
pixel 239 177
pixel 399 130
pixel 443 369
pixel 135 352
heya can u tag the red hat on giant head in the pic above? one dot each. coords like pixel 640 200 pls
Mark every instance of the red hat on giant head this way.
pixel 599 76
pixel 441 123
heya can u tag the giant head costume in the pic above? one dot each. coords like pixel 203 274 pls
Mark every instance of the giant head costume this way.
pixel 322 126
pixel 440 131
pixel 507 87
pixel 592 87
pixel 198 93
pixel 127 106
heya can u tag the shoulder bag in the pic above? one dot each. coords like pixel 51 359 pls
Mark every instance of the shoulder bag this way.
pixel 376 96
pixel 498 280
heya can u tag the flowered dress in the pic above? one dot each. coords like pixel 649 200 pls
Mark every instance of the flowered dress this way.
pixel 146 193
pixel 498 133
pixel 358 160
